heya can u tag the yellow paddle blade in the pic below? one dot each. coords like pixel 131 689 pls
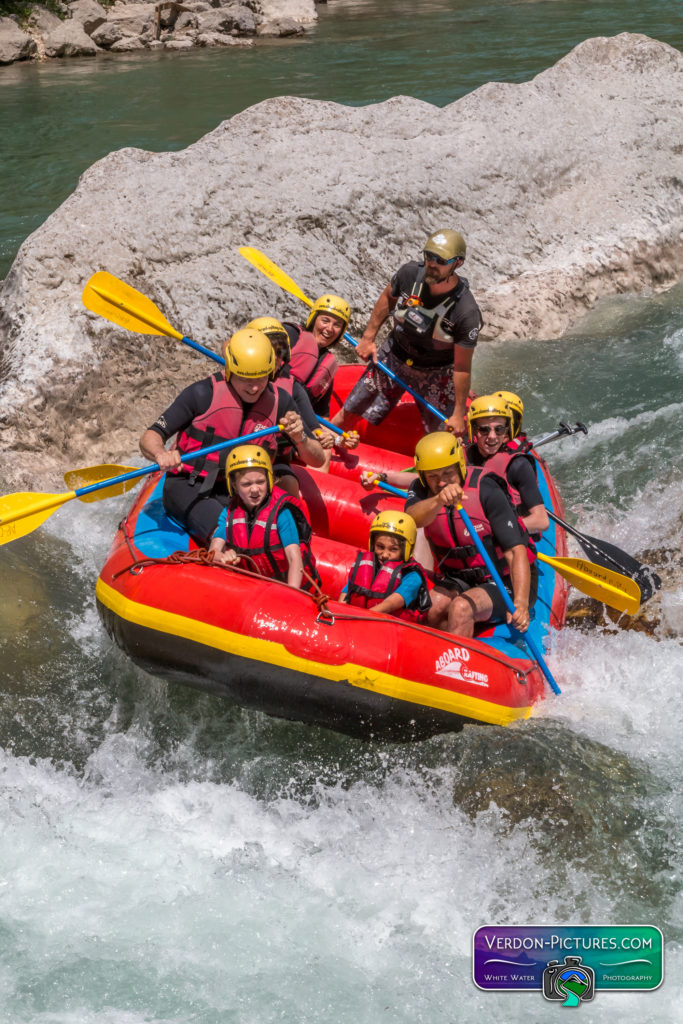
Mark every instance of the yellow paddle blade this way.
pixel 612 588
pixel 77 478
pixel 267 267
pixel 105 295
pixel 23 512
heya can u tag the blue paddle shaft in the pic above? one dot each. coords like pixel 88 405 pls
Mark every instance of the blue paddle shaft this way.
pixel 529 640
pixel 390 373
pixel 205 351
pixel 146 470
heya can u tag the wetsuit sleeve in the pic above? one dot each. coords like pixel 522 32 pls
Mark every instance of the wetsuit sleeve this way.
pixel 417 492
pixel 286 528
pixel 303 404
pixel 191 402
pixel 521 475
pixel 285 403
pixel 409 588
pixel 500 514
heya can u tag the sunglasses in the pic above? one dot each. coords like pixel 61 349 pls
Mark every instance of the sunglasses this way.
pixel 498 430
pixel 431 257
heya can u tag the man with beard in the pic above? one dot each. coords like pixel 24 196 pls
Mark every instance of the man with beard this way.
pixel 436 323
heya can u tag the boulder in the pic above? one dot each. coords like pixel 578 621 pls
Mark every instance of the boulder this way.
pixel 220 39
pixel 301 11
pixel 282 27
pixel 128 44
pixel 14 44
pixel 133 19
pixel 42 21
pixel 186 20
pixel 69 39
pixel 89 13
pixel 179 44
pixel 589 206
pixel 106 35
pixel 227 19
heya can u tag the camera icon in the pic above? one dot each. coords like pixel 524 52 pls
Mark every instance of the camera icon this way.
pixel 570 983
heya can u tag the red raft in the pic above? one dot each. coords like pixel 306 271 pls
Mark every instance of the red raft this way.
pixel 265 646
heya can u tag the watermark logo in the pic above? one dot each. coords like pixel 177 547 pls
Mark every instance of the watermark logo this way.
pixel 571 982
pixel 597 958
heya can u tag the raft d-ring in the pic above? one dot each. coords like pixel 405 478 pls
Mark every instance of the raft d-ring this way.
pixel 326 617
pixel 135 570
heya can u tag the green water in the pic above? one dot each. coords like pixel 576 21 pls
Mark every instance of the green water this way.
pixel 58 117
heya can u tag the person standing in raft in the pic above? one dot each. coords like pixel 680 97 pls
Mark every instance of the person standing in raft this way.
pixel 263 527
pixel 464 593
pixel 386 577
pixel 219 408
pixel 494 444
pixel 436 323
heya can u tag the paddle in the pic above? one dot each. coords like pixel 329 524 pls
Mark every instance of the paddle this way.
pixel 23 512
pixel 121 304
pixel 596 581
pixel 273 272
pixel 564 431
pixel 608 555
pixel 509 604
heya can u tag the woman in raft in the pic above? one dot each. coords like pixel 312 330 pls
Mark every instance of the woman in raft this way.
pixel 263 528
pixel 385 577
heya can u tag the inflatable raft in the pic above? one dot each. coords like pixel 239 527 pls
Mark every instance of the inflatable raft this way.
pixel 265 646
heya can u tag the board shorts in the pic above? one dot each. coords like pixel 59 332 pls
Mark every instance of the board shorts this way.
pixel 376 394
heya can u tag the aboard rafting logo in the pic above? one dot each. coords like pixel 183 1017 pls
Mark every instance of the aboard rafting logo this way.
pixel 450 664
pixel 570 982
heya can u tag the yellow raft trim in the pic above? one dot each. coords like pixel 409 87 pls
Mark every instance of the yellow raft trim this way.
pixel 272 653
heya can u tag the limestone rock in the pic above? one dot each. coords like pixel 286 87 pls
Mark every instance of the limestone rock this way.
pixel 43 21
pixel 554 219
pixel 179 44
pixel 106 35
pixel 301 11
pixel 227 19
pixel 14 44
pixel 281 28
pixel 133 19
pixel 89 13
pixel 69 39
pixel 220 39
pixel 128 44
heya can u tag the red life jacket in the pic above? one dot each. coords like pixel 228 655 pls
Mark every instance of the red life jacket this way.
pixel 313 368
pixel 226 418
pixel 369 583
pixel 454 553
pixel 499 463
pixel 259 538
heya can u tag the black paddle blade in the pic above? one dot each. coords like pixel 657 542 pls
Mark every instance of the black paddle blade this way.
pixel 612 557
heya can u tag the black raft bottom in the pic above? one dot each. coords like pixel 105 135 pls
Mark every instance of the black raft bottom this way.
pixel 275 690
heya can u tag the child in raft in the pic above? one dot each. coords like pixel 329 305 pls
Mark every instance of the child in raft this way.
pixel 385 577
pixel 263 528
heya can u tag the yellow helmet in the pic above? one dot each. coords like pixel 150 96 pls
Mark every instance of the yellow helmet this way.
pixel 333 305
pixel 248 456
pixel 516 405
pixel 449 245
pixel 488 405
pixel 275 333
pixel 437 451
pixel 248 353
pixel 399 524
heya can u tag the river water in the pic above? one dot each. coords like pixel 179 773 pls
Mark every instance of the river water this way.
pixel 168 858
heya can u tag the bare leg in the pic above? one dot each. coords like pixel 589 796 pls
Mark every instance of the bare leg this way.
pixel 474 605
pixel 288 483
